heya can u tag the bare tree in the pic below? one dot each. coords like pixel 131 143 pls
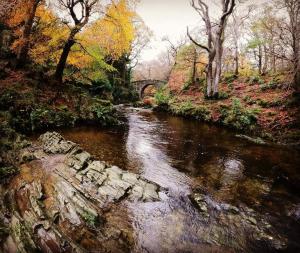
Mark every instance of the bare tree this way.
pixel 215 39
pixel 236 29
pixel 174 48
pixel 293 9
pixel 80 12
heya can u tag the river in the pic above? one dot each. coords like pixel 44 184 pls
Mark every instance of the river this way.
pixel 184 155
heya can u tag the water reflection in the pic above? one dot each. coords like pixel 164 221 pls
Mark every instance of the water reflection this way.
pixel 181 155
pixel 178 153
pixel 146 148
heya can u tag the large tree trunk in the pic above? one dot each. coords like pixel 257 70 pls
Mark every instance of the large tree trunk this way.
pixel 218 60
pixel 273 58
pixel 209 79
pixel 214 42
pixel 296 47
pixel 22 53
pixel 63 58
pixel 260 59
pixel 266 61
pixel 297 69
pixel 236 59
pixel 194 67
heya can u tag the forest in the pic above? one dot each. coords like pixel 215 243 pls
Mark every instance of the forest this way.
pixel 119 133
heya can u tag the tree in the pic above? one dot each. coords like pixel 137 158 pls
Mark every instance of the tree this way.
pixel 21 20
pixel 236 30
pixel 48 43
pixel 215 39
pixel 189 57
pixel 293 9
pixel 80 12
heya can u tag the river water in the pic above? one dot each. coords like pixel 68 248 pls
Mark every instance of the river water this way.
pixel 184 155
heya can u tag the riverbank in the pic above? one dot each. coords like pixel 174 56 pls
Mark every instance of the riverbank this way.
pixel 265 108
pixel 31 102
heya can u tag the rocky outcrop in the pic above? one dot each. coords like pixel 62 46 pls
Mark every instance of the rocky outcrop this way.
pixel 62 201
pixel 227 222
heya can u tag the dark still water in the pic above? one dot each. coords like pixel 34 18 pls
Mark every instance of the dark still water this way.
pixel 185 156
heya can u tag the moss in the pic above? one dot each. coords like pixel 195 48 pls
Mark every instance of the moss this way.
pixel 90 219
pixel 7 172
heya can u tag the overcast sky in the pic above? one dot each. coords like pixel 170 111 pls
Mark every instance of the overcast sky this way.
pixel 165 17
pixel 171 17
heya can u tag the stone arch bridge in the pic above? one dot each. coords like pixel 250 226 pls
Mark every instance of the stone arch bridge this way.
pixel 141 85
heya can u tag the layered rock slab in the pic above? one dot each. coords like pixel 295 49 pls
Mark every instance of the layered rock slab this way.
pixel 60 201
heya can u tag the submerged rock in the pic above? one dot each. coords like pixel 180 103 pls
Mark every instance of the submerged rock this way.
pixel 257 140
pixel 241 223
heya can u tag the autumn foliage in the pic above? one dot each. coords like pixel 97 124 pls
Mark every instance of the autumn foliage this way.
pixel 107 37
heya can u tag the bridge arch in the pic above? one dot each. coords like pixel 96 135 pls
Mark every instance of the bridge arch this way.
pixel 141 85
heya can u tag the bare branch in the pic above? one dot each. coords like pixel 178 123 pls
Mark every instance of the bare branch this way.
pixel 196 43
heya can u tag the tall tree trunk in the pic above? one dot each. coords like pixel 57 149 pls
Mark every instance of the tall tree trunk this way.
pixel 218 69
pixel 209 79
pixel 236 59
pixel 296 60
pixel 194 70
pixel 297 68
pixel 273 59
pixel 22 53
pixel 260 59
pixel 266 60
pixel 63 58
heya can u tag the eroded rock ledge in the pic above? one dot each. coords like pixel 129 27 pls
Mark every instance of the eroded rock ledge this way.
pixel 63 201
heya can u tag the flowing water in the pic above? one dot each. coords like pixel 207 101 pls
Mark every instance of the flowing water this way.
pixel 183 156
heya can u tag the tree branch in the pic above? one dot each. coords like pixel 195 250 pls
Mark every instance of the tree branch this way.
pixel 196 43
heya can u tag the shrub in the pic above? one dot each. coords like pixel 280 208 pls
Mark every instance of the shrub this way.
pixel 44 117
pixel 201 112
pixel 182 109
pixel 223 95
pixel 186 86
pixel 255 79
pixel 229 78
pixel 249 100
pixel 103 114
pixel 8 98
pixel 238 117
pixel 187 109
pixel 162 97
pixel 268 104
pixel 263 103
